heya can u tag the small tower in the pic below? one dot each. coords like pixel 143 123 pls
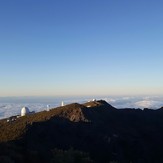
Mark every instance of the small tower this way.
pixel 62 103
pixel 48 108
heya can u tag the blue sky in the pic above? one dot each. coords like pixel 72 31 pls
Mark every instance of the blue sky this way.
pixel 81 47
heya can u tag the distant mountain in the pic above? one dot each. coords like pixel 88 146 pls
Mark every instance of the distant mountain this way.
pixel 91 132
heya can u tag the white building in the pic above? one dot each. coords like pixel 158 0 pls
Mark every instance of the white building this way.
pixel 62 103
pixel 48 108
pixel 25 111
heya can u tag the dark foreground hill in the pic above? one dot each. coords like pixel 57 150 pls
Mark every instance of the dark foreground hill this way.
pixel 91 132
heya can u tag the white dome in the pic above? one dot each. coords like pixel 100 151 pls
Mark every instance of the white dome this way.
pixel 24 111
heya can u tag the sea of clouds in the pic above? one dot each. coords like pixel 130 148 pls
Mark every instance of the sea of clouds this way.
pixel 151 102
pixel 12 106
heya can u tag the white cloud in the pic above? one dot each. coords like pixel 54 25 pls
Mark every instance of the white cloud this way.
pixel 149 104
pixel 137 102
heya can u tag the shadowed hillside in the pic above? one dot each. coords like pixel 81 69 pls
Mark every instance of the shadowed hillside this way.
pixel 92 132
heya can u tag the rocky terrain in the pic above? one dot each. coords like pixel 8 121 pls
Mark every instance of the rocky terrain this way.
pixel 84 133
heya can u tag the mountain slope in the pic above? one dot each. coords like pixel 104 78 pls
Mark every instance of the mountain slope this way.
pixel 104 132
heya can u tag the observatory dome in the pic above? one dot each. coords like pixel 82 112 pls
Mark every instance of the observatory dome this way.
pixel 24 111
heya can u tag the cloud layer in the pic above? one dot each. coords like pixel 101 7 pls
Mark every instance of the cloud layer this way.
pixel 8 109
pixel 136 102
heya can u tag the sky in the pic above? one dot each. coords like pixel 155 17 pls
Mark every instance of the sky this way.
pixel 81 47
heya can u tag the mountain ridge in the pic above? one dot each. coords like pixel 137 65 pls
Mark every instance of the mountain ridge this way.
pixel 97 128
